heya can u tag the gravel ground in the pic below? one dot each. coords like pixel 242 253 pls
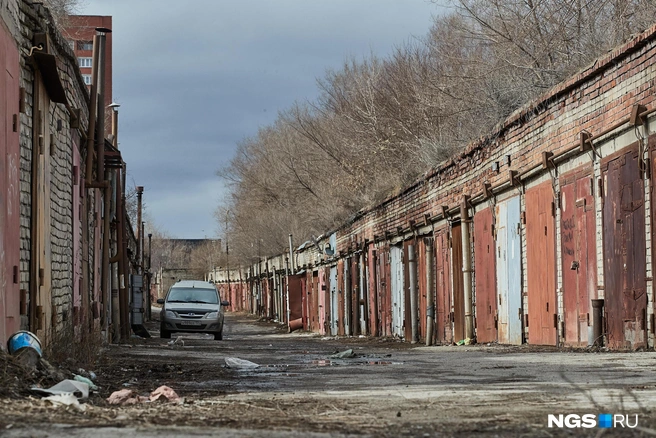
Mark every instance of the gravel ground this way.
pixel 389 389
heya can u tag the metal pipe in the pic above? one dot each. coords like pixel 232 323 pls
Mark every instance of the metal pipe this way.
pixel 37 137
pixel 466 271
pixel 274 293
pixel 269 291
pixel 597 322
pixel 227 254
pixel 116 315
pixel 115 307
pixel 364 310
pixel 138 230
pixel 104 271
pixel 123 261
pixel 150 276
pixel 347 297
pixel 100 171
pixel 115 128
pixel 412 262
pixel 287 285
pixel 374 285
pixel 430 293
pixel 93 108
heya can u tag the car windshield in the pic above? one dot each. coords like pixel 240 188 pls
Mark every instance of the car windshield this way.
pixel 193 295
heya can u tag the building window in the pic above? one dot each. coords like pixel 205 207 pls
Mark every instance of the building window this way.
pixel 85 45
pixel 85 62
pixel 87 79
pixel 71 43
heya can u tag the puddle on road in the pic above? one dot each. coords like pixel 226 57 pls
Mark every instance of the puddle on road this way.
pixel 322 363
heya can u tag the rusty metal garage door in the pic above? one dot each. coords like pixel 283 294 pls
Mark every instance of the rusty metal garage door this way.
pixel 541 265
pixel 9 190
pixel 509 271
pixel 443 322
pixel 484 257
pixel 579 258
pixel 334 302
pixel 624 250
pixel 372 270
pixel 459 329
pixel 398 295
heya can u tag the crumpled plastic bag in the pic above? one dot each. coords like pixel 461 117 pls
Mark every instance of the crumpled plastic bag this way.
pixel 164 394
pixel 242 364
pixel 78 389
pixel 346 354
pixel 126 397
pixel 87 381
pixel 131 397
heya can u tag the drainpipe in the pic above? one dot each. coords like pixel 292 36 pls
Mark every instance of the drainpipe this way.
pixel 105 287
pixel 466 270
pixel 35 231
pixel 430 297
pixel 138 230
pixel 374 283
pixel 287 284
pixel 597 322
pixel 88 180
pixel 123 259
pixel 93 108
pixel 347 298
pixel 150 276
pixel 274 290
pixel 364 295
pixel 412 261
pixel 101 100
pixel 116 315
pixel 269 291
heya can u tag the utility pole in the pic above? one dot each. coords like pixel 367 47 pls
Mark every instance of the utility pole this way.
pixel 227 251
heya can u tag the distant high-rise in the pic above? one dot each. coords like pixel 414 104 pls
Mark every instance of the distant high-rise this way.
pixel 79 31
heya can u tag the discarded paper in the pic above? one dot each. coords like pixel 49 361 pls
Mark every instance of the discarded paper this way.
pixel 67 400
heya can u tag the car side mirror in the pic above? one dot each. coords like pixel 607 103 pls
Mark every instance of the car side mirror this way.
pixel 225 303
pixel 160 301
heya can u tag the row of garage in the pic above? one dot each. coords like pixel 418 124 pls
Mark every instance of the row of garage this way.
pixel 539 234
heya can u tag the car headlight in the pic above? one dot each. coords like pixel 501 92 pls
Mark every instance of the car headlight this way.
pixel 212 315
pixel 170 314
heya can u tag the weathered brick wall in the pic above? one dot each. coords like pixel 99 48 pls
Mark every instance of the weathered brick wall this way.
pixel 593 100
pixel 599 99
pixel 29 20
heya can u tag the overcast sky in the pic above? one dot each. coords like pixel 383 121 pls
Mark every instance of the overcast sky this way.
pixel 195 77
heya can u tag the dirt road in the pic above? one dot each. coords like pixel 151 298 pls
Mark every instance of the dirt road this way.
pixel 389 389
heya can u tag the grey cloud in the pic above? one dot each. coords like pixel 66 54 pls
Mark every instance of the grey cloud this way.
pixel 194 78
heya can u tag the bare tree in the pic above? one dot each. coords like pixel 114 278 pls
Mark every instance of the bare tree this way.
pixel 380 123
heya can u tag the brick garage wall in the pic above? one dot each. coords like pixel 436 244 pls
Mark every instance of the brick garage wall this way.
pixel 601 97
pixel 29 19
pixel 594 100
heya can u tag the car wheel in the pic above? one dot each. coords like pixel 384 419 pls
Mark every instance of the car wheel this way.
pixel 163 333
pixel 218 336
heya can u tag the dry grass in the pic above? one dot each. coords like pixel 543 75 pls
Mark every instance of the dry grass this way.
pixel 74 347
pixel 12 375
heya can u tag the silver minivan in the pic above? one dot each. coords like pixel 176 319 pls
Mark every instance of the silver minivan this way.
pixel 193 307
